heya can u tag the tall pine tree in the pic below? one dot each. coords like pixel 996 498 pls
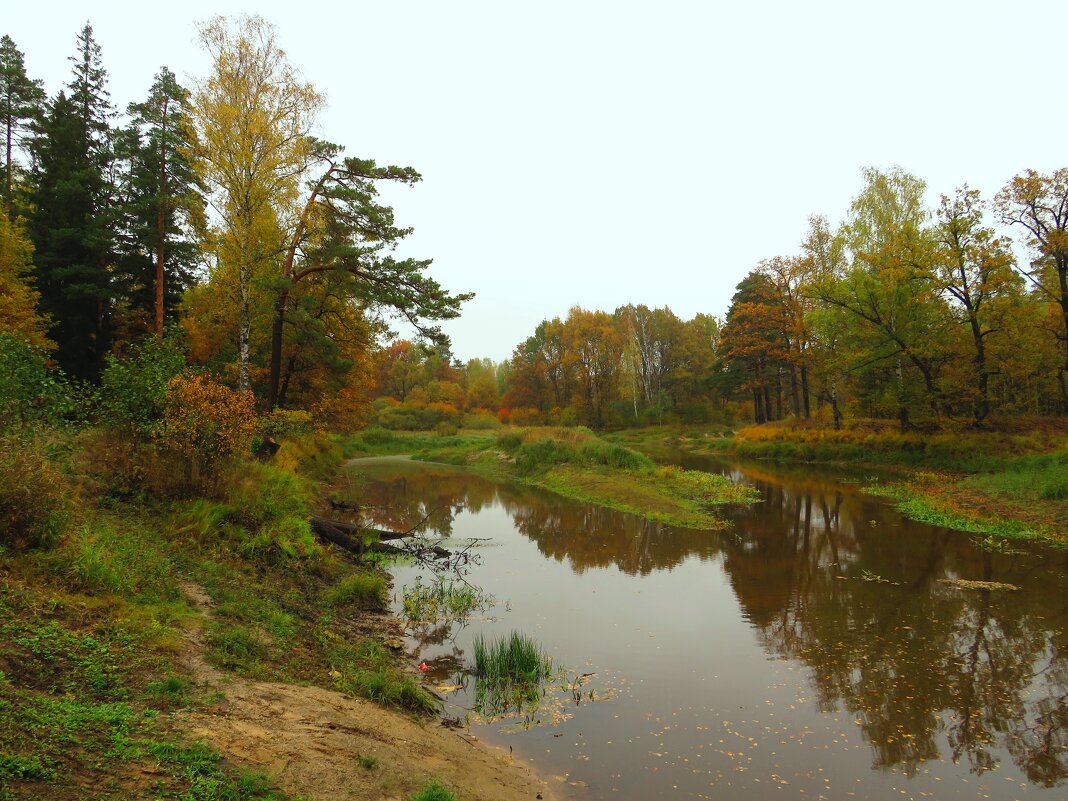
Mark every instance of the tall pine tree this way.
pixel 72 220
pixel 162 203
pixel 21 105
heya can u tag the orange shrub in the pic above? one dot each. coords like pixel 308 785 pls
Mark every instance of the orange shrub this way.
pixel 206 422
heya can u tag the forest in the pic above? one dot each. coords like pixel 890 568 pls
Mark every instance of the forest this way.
pixel 213 220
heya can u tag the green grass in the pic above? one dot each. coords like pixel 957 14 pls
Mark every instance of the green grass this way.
pixel 367 590
pixel 368 670
pixel 238 648
pixel 513 658
pixel 916 505
pixel 1043 478
pixel 434 790
pixel 510 673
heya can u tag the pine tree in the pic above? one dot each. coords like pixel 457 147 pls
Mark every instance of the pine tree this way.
pixel 72 225
pixel 21 105
pixel 162 201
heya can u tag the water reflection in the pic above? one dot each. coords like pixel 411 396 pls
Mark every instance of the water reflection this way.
pixel 837 582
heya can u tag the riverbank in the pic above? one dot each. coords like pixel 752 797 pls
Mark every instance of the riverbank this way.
pixel 1010 483
pixel 576 464
pixel 207 647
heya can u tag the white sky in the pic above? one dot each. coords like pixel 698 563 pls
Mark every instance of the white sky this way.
pixel 602 153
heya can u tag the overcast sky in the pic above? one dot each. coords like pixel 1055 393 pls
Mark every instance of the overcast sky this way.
pixel 604 153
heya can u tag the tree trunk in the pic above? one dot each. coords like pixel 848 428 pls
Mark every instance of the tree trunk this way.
pixel 161 223
pixel 277 330
pixel 804 392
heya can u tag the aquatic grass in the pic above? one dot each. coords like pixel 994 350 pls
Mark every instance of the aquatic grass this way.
pixel 513 658
pixel 443 601
pixel 510 673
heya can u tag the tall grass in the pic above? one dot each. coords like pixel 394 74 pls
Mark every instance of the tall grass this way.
pixel 367 590
pixel 514 658
pixel 510 673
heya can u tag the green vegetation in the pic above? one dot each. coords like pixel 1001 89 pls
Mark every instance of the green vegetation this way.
pixel 510 673
pixel 361 589
pixel 575 463
pixel 368 670
pixel 434 791
pixel 443 601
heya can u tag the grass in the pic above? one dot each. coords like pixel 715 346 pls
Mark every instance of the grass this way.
pixel 434 790
pixel 368 670
pixel 89 630
pixel 934 500
pixel 510 673
pixel 366 590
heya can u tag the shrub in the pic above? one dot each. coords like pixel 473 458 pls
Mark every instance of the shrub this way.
pixel 446 429
pixel 275 505
pixel 133 389
pixel 481 421
pixel 206 422
pixel 34 496
pixel 30 392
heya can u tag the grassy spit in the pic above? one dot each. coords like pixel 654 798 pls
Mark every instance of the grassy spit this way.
pixel 1009 483
pixel 575 463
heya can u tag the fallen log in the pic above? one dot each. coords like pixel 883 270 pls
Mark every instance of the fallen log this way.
pixel 341 534
pixel 353 530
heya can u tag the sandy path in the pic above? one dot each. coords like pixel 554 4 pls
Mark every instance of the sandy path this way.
pixel 309 739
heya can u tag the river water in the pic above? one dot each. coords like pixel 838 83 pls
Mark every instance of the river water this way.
pixel 818 649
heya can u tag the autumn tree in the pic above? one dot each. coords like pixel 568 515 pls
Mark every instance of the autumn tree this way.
pixel 18 297
pixel 253 115
pixel 975 268
pixel 753 347
pixel 1039 205
pixel 884 289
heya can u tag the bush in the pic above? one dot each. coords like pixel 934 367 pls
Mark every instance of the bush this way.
pixel 206 422
pixel 275 506
pixel 446 429
pixel 30 392
pixel 34 496
pixel 133 389
pixel 481 421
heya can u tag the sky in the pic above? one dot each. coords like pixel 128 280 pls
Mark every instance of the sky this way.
pixel 605 153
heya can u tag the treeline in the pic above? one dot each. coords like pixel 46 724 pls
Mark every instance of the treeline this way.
pixel 211 212
pixel 902 312
pixel 635 366
pixel 911 313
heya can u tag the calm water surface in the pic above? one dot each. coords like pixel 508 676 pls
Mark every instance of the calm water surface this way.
pixel 815 650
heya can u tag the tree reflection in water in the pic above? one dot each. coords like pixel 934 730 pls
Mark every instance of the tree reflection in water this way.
pixel 922 666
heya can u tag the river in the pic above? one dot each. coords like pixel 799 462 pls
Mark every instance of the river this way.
pixel 819 648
